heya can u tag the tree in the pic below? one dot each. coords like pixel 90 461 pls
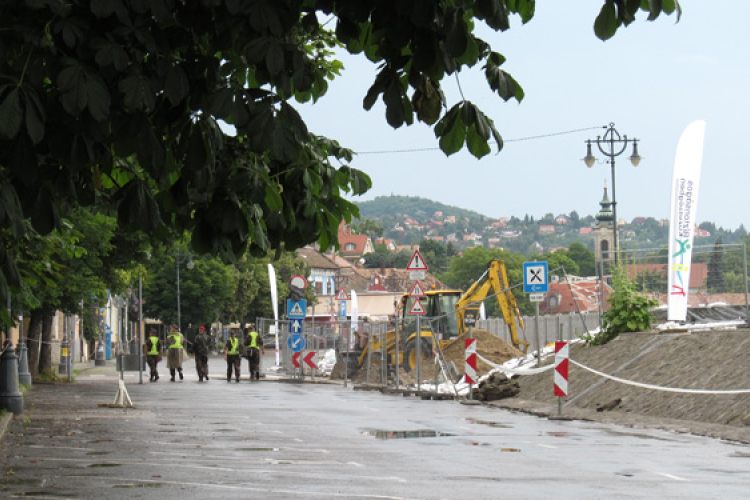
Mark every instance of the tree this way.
pixel 435 255
pixel 204 289
pixel 583 257
pixel 370 228
pixel 119 102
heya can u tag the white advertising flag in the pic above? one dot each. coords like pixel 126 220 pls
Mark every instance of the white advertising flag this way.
pixel 275 302
pixel 685 180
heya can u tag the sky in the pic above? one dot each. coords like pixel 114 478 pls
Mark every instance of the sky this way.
pixel 651 80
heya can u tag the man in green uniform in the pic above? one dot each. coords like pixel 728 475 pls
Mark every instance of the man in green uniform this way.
pixel 232 354
pixel 174 352
pixel 152 348
pixel 253 349
pixel 202 345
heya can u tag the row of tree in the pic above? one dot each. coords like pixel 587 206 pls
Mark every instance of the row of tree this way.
pixel 75 270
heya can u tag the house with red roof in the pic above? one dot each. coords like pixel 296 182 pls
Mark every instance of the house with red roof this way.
pixel 353 246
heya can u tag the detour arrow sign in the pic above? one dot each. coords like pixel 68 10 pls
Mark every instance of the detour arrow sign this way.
pixel 309 359
pixel 295 359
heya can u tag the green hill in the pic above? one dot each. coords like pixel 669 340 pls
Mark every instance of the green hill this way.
pixel 413 206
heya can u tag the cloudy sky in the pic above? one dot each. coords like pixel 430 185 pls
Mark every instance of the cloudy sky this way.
pixel 651 80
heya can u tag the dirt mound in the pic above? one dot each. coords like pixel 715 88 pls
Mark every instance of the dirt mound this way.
pixel 489 346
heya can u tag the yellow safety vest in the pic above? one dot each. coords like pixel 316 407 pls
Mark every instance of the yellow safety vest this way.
pixel 176 340
pixel 235 342
pixel 154 341
pixel 253 339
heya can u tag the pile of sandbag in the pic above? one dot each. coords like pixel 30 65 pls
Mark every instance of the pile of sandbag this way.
pixel 496 386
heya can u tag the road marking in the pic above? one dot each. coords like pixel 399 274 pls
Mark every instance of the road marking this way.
pixel 670 476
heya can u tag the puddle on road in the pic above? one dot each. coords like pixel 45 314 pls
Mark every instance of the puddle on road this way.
pixel 382 434
pixel 104 465
pixel 560 434
pixel 499 425
pixel 45 494
pixel 258 449
pixel 739 454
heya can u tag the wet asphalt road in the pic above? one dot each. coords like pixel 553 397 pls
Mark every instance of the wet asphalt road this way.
pixel 280 440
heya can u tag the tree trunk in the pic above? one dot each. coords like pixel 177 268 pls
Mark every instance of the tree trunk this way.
pixel 33 338
pixel 45 351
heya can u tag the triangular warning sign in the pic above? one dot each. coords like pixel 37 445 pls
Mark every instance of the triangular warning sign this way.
pixel 296 310
pixel 342 295
pixel 416 307
pixel 416 290
pixel 416 263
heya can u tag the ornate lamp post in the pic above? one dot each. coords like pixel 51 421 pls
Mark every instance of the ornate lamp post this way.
pixel 612 145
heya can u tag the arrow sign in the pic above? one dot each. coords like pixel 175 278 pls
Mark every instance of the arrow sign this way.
pixel 416 290
pixel 295 359
pixel 342 295
pixel 309 361
pixel 295 326
pixel 416 307
pixel 296 343
pixel 417 263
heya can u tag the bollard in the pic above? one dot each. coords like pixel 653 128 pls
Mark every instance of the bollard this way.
pixel 100 358
pixel 11 398
pixel 64 355
pixel 24 375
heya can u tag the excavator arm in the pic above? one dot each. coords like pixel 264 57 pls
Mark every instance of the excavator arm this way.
pixel 495 279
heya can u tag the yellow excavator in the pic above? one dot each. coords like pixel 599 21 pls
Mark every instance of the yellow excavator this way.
pixel 448 314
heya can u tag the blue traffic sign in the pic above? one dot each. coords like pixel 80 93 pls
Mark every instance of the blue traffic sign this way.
pixel 296 309
pixel 296 343
pixel 535 277
pixel 342 309
pixel 296 325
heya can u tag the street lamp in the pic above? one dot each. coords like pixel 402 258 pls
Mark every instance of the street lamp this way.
pixel 179 258
pixel 611 145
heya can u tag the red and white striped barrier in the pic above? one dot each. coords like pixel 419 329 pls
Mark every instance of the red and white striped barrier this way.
pixel 561 368
pixel 470 373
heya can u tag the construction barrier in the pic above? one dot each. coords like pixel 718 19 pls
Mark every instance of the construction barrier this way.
pixel 470 372
pixel 561 368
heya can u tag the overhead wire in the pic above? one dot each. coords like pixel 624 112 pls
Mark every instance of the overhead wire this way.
pixel 519 139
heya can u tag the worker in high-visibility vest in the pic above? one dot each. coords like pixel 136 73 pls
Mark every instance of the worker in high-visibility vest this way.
pixel 233 354
pixel 152 349
pixel 253 349
pixel 175 352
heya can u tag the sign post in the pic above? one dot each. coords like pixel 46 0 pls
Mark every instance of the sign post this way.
pixel 342 297
pixel 535 282
pixel 417 268
pixel 296 310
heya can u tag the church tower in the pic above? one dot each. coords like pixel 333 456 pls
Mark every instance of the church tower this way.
pixel 604 233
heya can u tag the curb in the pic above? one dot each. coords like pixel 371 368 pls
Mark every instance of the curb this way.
pixel 5 423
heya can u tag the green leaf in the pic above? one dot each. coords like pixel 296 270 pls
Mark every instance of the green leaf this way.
pixel 275 59
pixel 452 133
pixel 97 97
pixel 176 86
pixel 477 145
pixel 35 117
pixel 11 114
pixel 138 93
pixel 606 23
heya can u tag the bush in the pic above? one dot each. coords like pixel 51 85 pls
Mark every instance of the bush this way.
pixel 628 311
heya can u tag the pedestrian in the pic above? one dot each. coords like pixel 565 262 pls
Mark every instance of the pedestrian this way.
pixel 253 349
pixel 152 349
pixel 232 353
pixel 175 352
pixel 201 346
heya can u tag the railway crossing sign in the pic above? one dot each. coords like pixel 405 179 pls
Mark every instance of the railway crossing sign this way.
pixel 535 277
pixel 296 309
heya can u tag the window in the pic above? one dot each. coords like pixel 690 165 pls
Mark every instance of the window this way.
pixel 350 247
pixel 605 249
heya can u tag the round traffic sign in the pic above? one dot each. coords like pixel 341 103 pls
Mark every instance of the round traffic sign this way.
pixel 298 281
